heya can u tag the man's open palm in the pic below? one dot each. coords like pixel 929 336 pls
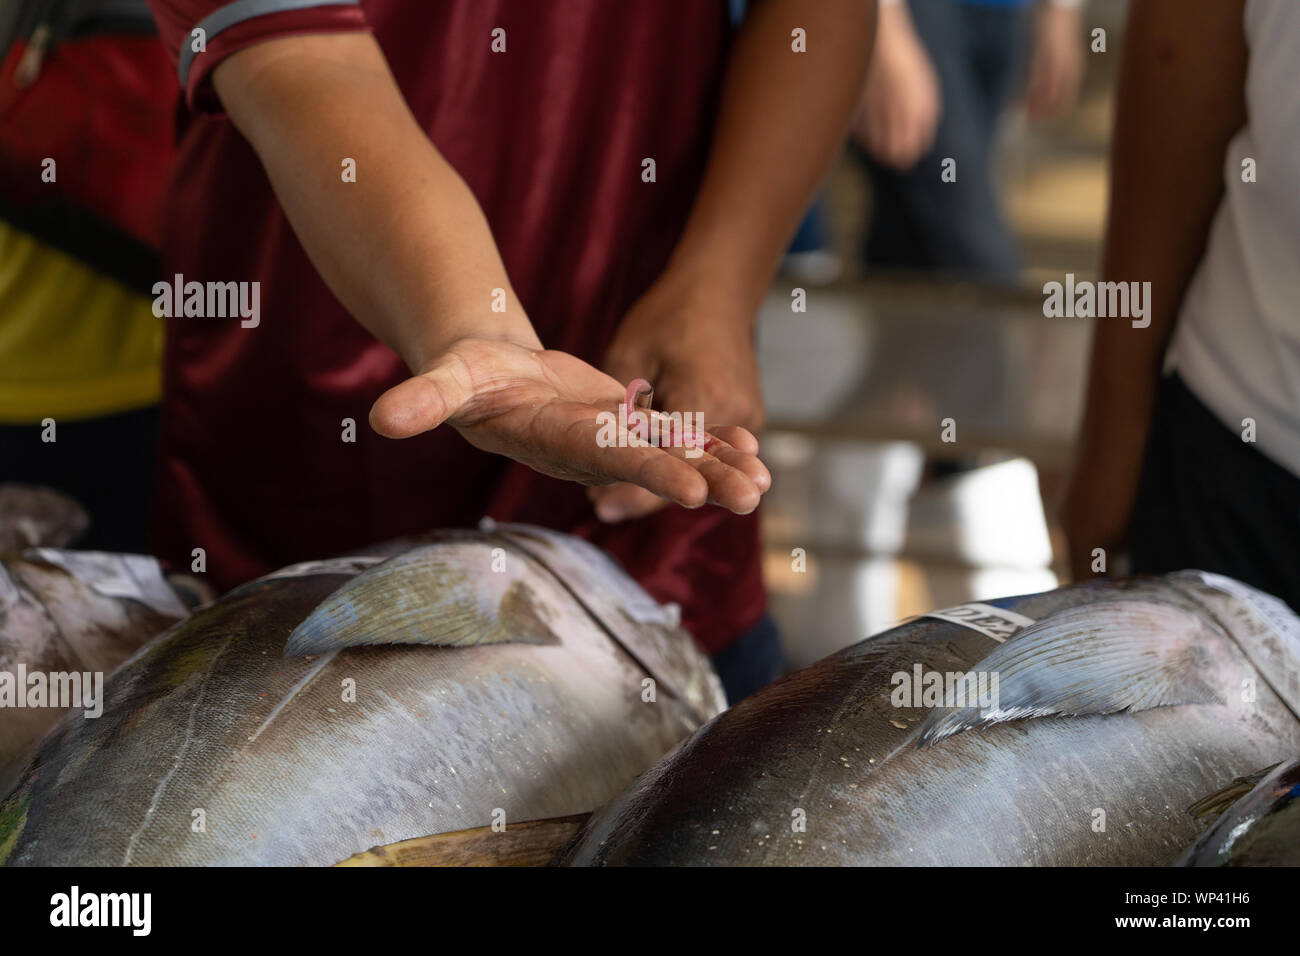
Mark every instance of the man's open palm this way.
pixel 541 408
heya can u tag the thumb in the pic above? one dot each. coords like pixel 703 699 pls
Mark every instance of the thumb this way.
pixel 424 401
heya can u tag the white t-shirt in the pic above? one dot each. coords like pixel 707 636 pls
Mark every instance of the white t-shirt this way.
pixel 1237 344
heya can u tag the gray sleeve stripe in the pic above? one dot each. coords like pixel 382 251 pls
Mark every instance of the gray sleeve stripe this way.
pixel 235 13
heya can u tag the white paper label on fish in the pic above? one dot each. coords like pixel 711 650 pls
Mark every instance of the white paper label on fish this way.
pixel 134 576
pixel 1273 610
pixel 993 622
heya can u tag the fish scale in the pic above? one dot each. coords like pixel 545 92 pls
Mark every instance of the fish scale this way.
pixel 1105 786
pixel 211 717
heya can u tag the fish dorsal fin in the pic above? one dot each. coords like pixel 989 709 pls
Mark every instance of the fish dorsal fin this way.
pixel 456 593
pixel 1099 658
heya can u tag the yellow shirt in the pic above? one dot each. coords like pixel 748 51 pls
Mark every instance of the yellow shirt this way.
pixel 73 342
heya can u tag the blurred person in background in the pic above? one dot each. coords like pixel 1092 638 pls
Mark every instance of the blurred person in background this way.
pixel 943 73
pixel 86 101
pixel 1190 449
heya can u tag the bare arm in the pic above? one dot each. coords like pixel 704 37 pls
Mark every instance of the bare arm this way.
pixel 902 100
pixel 1180 101
pixel 405 247
pixel 408 252
pixel 783 116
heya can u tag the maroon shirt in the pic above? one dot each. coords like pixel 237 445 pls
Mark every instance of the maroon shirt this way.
pixel 550 136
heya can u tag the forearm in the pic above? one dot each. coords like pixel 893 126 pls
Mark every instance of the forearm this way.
pixel 782 117
pixel 1180 100
pixel 893 24
pixel 405 247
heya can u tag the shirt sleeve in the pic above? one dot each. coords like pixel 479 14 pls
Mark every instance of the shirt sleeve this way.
pixel 199 34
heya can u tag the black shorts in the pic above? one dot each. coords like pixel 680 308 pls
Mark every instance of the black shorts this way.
pixel 1210 501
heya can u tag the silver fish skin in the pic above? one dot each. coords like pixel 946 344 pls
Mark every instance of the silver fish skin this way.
pixel 1121 704
pixel 496 695
pixel 1262 828
pixel 64 612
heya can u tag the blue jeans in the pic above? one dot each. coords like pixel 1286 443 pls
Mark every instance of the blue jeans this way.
pixel 814 232
pixel 752 662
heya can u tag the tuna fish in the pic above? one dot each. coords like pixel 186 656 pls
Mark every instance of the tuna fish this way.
pixel 521 675
pixel 32 517
pixel 1260 827
pixel 1069 727
pixel 67 619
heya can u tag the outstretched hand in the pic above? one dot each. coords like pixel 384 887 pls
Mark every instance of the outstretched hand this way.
pixel 543 408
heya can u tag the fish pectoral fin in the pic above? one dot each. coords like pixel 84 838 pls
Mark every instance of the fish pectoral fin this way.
pixel 1219 801
pixel 459 593
pixel 531 843
pixel 1099 658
